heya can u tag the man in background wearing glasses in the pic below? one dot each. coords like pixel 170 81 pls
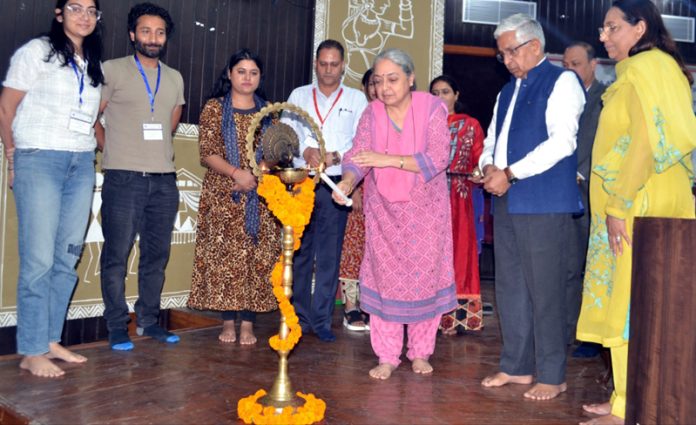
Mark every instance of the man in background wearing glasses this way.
pixel 580 57
pixel 529 165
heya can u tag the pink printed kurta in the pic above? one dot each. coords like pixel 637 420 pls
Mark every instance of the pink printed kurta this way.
pixel 407 274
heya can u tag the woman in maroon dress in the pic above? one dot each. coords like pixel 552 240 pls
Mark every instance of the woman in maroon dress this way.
pixel 354 245
pixel 466 145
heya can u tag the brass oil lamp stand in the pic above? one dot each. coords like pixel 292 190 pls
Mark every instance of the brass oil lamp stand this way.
pixel 281 394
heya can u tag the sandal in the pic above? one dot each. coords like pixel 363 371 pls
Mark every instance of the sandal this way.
pixel 351 320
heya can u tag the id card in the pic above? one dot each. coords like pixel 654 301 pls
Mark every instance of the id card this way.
pixel 80 122
pixel 153 131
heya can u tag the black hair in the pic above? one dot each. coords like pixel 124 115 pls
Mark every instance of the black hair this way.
pixel 656 35
pixel 459 106
pixel 366 81
pixel 366 77
pixel 63 49
pixel 330 44
pixel 151 10
pixel 223 85
pixel 591 54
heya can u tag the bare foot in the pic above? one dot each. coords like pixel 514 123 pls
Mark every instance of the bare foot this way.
pixel 246 331
pixel 450 331
pixel 382 371
pixel 501 378
pixel 41 366
pixel 598 408
pixel 359 323
pixel 421 366
pixel 605 420
pixel 57 351
pixel 545 391
pixel 228 334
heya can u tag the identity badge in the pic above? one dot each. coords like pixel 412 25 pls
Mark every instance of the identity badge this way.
pixel 153 131
pixel 80 122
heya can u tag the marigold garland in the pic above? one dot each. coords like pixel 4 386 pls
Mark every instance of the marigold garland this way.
pixel 292 210
pixel 250 411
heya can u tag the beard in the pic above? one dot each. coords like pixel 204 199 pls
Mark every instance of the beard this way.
pixel 154 51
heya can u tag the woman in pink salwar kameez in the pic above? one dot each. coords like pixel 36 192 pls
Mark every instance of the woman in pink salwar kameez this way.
pixel 407 276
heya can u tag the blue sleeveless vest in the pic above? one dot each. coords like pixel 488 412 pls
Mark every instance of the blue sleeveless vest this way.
pixel 556 189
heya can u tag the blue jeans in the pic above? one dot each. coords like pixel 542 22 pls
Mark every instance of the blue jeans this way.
pixel 53 192
pixel 144 204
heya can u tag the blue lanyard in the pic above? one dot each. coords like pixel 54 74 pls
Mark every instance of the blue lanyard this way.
pixel 80 78
pixel 147 85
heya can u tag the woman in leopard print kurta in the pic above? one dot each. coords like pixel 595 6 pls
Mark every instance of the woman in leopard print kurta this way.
pixel 231 270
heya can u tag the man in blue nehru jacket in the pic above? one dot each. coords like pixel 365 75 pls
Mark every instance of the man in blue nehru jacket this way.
pixel 529 165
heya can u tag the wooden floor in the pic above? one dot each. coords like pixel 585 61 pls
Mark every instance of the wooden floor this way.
pixel 199 381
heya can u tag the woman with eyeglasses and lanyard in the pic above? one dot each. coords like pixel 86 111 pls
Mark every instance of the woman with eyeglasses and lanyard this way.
pixel 641 167
pixel 47 111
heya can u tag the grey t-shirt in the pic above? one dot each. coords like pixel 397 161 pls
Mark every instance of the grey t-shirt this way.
pixel 129 107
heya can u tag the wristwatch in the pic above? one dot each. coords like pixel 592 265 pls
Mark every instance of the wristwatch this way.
pixel 336 158
pixel 510 177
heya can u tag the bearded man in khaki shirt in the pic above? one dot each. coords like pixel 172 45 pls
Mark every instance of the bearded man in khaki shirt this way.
pixel 141 102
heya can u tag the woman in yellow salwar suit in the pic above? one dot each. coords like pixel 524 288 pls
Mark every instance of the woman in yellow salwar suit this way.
pixel 641 167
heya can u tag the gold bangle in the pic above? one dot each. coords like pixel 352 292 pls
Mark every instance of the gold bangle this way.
pixel 401 162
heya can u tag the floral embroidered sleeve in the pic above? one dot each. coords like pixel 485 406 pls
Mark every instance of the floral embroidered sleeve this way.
pixel 637 161
pixel 477 147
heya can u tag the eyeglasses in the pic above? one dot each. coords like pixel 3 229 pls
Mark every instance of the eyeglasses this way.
pixel 608 29
pixel 77 10
pixel 510 53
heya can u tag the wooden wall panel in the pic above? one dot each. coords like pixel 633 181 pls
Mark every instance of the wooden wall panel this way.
pixel 480 79
pixel 206 33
